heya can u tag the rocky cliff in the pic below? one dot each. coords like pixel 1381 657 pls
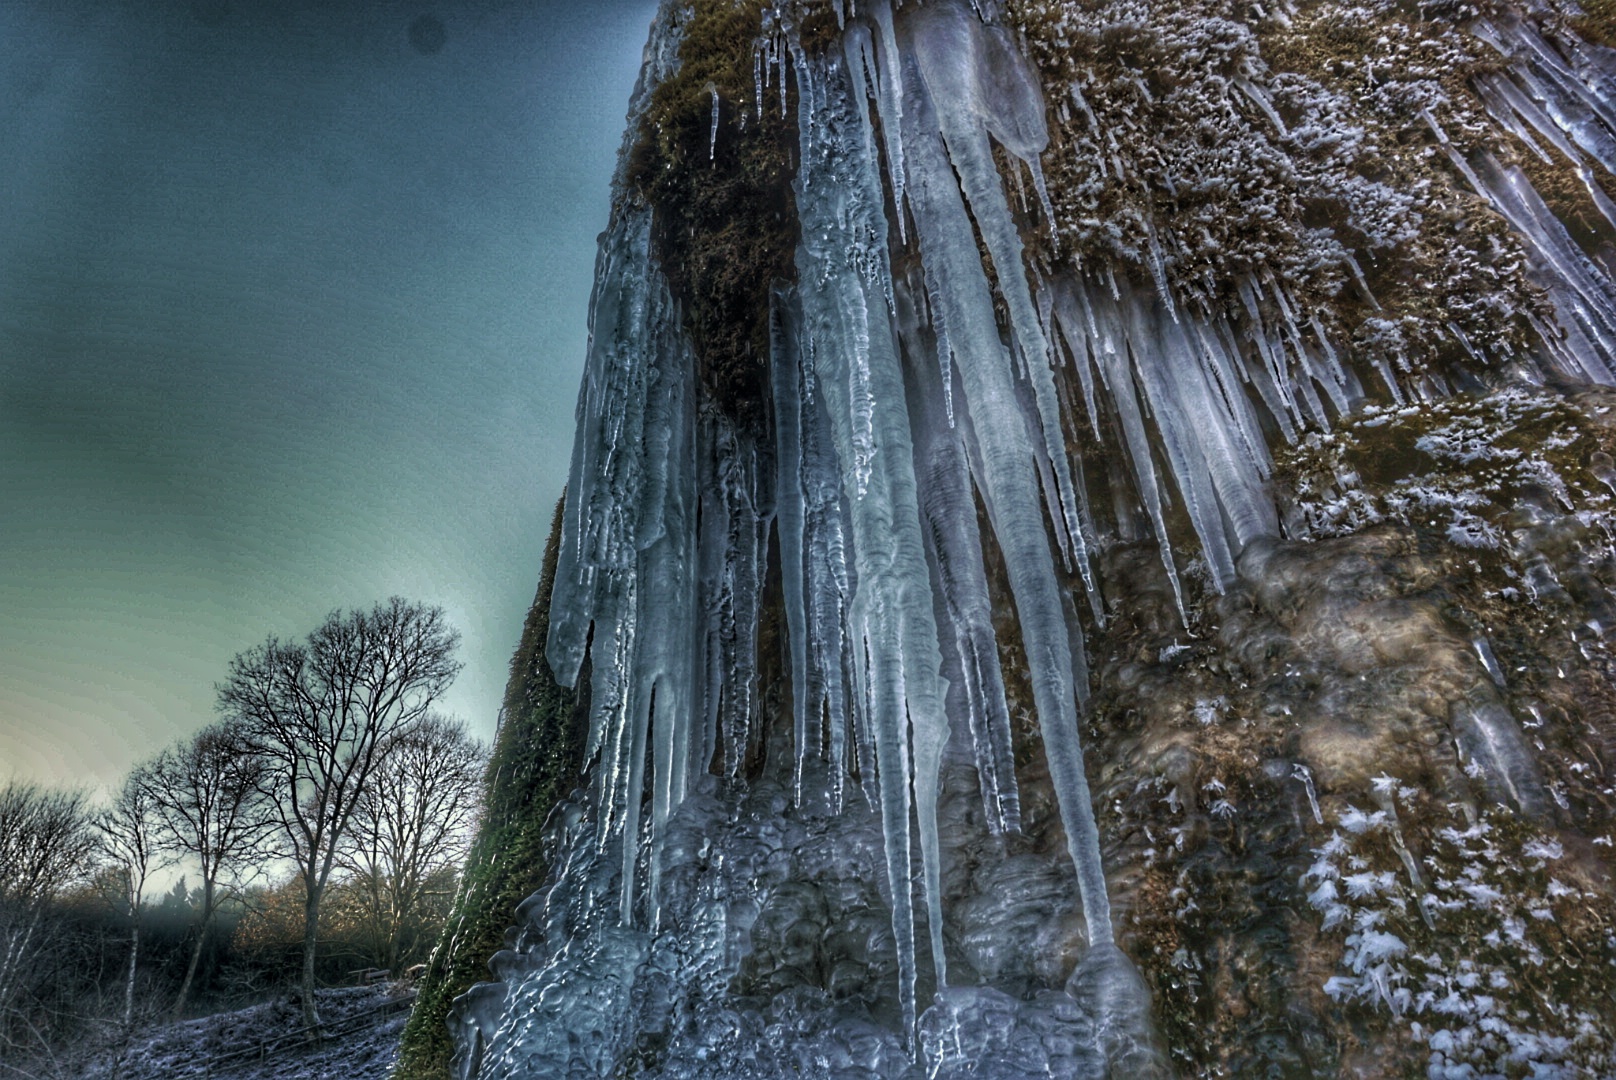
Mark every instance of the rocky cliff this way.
pixel 1089 545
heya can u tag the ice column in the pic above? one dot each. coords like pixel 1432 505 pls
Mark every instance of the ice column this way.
pixel 1004 468
pixel 845 291
pixel 627 562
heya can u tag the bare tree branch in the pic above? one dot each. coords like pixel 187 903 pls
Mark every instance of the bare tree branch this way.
pixel 411 825
pixel 320 716
pixel 212 813
pixel 47 843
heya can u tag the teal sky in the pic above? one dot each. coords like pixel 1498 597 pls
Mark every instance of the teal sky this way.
pixel 292 314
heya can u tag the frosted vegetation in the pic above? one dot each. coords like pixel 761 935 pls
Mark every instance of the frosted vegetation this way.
pixel 1042 251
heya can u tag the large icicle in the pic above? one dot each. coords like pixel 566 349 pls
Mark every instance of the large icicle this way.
pixel 817 582
pixel 1004 465
pixel 790 514
pixel 955 546
pixel 981 85
pixel 844 286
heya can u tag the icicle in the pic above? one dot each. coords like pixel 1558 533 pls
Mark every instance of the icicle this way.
pixel 1219 366
pixel 786 368
pixel 1111 360
pixel 1035 169
pixel 981 77
pixel 1157 359
pixel 712 135
pixel 1509 106
pixel 1305 775
pixel 945 354
pixel 1583 297
pixel 890 86
pixel 1002 463
pixel 1082 103
pixel 895 640
pixel 1072 331
pixel 759 52
pixel 955 547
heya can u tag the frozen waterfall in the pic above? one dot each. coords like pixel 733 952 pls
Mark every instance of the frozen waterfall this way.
pixel 926 380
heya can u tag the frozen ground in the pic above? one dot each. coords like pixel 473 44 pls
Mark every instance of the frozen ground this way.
pixel 264 1042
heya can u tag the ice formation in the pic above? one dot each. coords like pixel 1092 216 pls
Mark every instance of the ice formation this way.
pixel 925 376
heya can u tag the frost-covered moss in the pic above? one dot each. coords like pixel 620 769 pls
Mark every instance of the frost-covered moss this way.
pixel 1421 677
pixel 1207 143
pixel 1490 952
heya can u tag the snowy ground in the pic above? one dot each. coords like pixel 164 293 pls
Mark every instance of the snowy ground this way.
pixel 263 1042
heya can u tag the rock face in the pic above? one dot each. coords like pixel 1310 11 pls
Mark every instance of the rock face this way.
pixel 1144 608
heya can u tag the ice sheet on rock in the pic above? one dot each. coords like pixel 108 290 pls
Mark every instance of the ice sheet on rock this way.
pixel 1495 752
pixel 628 545
pixel 664 694
pixel 1115 998
pixel 980 1033
pixel 735 522
pixel 573 970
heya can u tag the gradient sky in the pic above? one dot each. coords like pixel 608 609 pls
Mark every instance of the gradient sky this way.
pixel 292 314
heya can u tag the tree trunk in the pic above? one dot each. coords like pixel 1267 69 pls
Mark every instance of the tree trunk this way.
pixel 11 965
pixel 196 953
pixel 190 970
pixel 311 927
pixel 129 980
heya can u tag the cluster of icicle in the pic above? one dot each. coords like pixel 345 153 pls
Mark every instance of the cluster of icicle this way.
pixel 1566 100
pixel 899 403
pixel 895 401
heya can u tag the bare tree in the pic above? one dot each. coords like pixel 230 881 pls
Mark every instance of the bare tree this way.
pixel 320 715
pixel 411 827
pixel 47 843
pixel 128 839
pixel 207 796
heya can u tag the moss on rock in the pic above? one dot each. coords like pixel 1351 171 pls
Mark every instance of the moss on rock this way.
pixel 537 760
pixel 726 223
